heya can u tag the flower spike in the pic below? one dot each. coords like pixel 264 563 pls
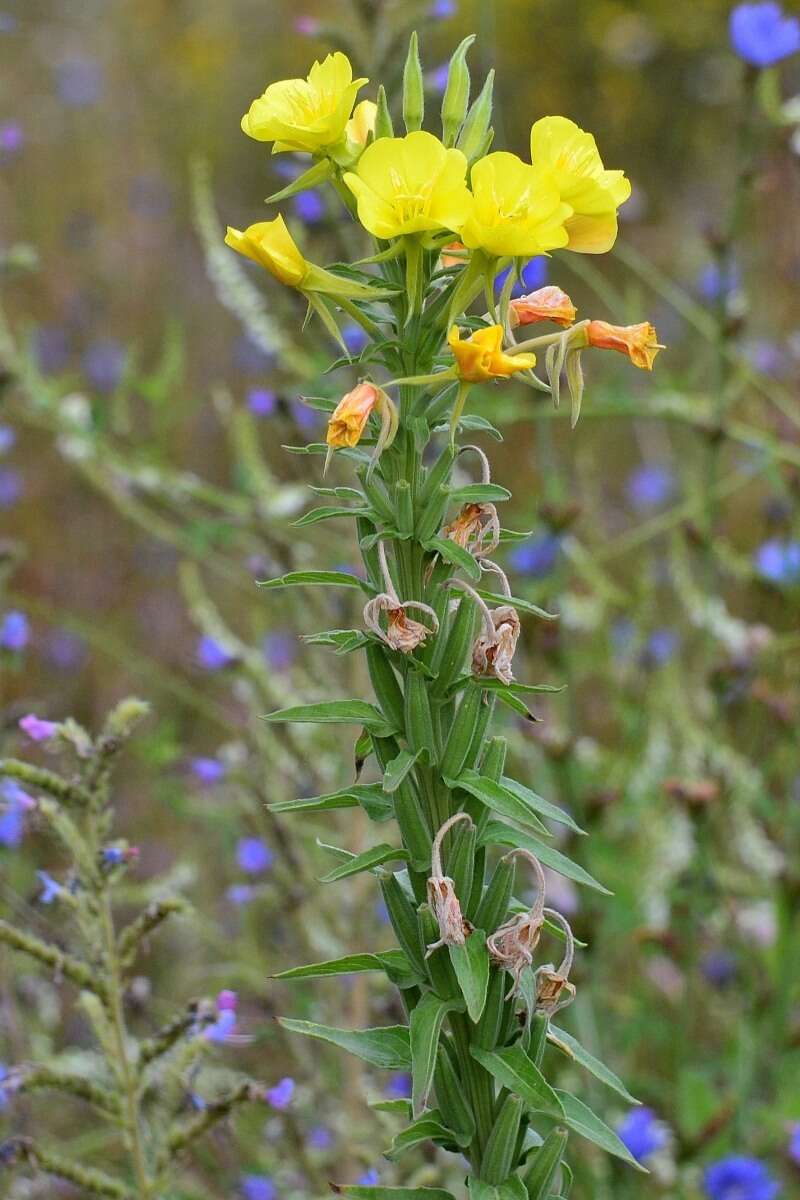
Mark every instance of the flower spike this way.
pixel 453 927
pixel 401 632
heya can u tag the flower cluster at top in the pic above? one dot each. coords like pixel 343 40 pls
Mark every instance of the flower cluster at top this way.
pixel 456 213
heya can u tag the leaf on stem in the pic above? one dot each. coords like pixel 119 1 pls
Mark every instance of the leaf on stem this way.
pixel 387 1047
pixel 512 1068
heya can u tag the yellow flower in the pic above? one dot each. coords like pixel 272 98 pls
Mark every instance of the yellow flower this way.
pixel 546 304
pixel 593 193
pixel 362 122
pixel 270 244
pixel 306 114
pixel 348 420
pixel 409 185
pixel 639 342
pixel 481 358
pixel 518 209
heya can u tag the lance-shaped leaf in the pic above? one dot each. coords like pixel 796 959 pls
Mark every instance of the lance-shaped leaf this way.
pixel 336 712
pixel 427 1128
pixel 386 1047
pixel 497 798
pixel 362 1192
pixel 583 1121
pixel 523 606
pixel 471 965
pixel 569 1045
pixel 542 806
pixel 510 1189
pixel 425 1027
pixel 454 554
pixel 522 689
pixel 368 860
pixel 393 961
pixel 471 422
pixel 398 769
pixel 497 833
pixel 313 177
pixel 327 512
pixel 371 797
pixel 479 493
pixel 316 579
pixel 400 1108
pixel 512 1068
pixel 345 640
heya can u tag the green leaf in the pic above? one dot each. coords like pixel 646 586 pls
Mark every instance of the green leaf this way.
pixel 386 1047
pixel 314 176
pixel 512 1068
pixel 366 861
pixel 321 449
pixel 498 798
pixel 425 1026
pixel 471 422
pixel 510 1189
pixel 316 579
pixel 523 606
pixel 522 689
pixel 480 493
pixel 498 834
pixel 327 511
pixel 583 1121
pixel 398 769
pixel 341 493
pixel 360 1192
pixel 543 807
pixel 568 1045
pixel 384 960
pixel 456 555
pixel 516 704
pixel 371 797
pixel 427 1128
pixel 402 1108
pixel 345 640
pixel 510 537
pixel 471 965
pixel 336 712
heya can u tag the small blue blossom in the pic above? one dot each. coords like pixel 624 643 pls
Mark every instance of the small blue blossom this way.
pixel 778 561
pixel 253 855
pixel 79 82
pixel 369 1178
pixel 7 438
pixel 224 1027
pixel 740 1178
pixel 280 1096
pixel 211 655
pixel 240 893
pixel 64 650
pixel 436 79
pixel 442 10
pixel 11 487
pixel 354 337
pixel 208 770
pixel 12 826
pixel 660 646
pixel 14 631
pixel 280 650
pixel 650 485
pixel 258 1187
pixel 399 1086
pixel 104 364
pixel 320 1138
pixel 262 402
pixel 762 34
pixel 717 282
pixel 12 138
pixel 37 729
pixel 309 206
pixel 719 968
pixel 51 890
pixel 532 276
pixel 536 558
pixel 3 1090
pixel 643 1133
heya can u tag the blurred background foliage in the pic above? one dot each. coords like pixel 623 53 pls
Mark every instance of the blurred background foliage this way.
pixel 149 383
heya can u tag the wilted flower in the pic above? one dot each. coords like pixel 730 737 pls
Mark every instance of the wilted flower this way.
pixel 37 729
pixel 547 304
pixel 638 342
pixel 762 34
pixel 740 1178
pixel 512 944
pixel 453 926
pixel 480 358
pixel 643 1133
pixel 349 419
pixel 553 989
pixel 306 114
pixel 493 652
pixel 476 529
pixel 402 632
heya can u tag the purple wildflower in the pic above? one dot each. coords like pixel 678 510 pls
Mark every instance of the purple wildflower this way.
pixel 305 418
pixel 309 206
pixel 262 402
pixel 3 1090
pixel 211 655
pixel 258 1187
pixel 307 26
pixel 532 276
pixel 537 558
pixel 225 1025
pixel 642 1133
pixel 436 79
pixel 793 1149
pixel 14 631
pixel 7 438
pixel 280 1096
pixel 441 10
pixel 11 487
pixel 717 282
pixel 719 968
pixel 208 770
pixel 778 561
pixel 253 855
pixel 650 485
pixel 280 649
pixel 104 364
pixel 320 1138
pixel 660 647
pixel 240 893
pixel 37 729
pixel 369 1178
pixel 51 889
pixel 399 1086
pixel 79 82
pixel 65 650
pixel 763 35
pixel 739 1178
pixel 354 337
pixel 14 803
pixel 12 138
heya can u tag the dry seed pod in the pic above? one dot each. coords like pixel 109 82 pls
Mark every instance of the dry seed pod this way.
pixel 453 927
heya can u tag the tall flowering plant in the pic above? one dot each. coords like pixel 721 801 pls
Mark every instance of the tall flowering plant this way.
pixel 440 623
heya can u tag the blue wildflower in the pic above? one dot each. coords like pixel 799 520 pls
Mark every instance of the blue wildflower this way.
pixel 12 138
pixel 718 281
pixel 37 729
pixel 211 655
pixel 12 826
pixel 279 650
pixel 399 1086
pixel 240 893
pixel 643 1133
pixel 320 1138
pixel 104 364
pixel 64 650
pixel 532 276
pixel 650 485
pixel 280 1096
pixel 739 1178
pixel 306 418
pixel 660 646
pixel 224 1027
pixel 51 889
pixel 436 79
pixel 778 561
pixel 262 402
pixel 14 631
pixel 253 855
pixel 719 968
pixel 354 337
pixel 7 438
pixel 369 1178
pixel 441 10
pixel 537 558
pixel 793 1149
pixel 79 82
pixel 11 487
pixel 208 770
pixel 762 34
pixel 3 1090
pixel 309 206
pixel 258 1187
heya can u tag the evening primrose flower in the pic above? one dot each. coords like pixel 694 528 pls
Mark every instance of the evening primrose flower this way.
pixel 518 209
pixel 545 304
pixel 270 244
pixel 349 418
pixel 362 122
pixel 306 114
pixel 410 185
pixel 480 357
pixel 593 193
pixel 639 342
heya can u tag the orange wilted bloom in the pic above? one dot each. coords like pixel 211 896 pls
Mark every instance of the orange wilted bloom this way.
pixel 476 529
pixel 480 358
pixel 349 418
pixel 545 304
pixel 639 342
pixel 454 260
